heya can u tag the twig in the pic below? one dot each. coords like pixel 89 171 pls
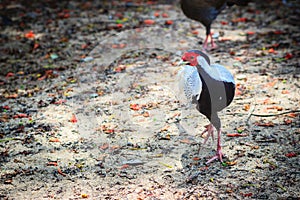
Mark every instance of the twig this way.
pixel 249 114
pixel 264 115
pixel 275 114
pixel 9 139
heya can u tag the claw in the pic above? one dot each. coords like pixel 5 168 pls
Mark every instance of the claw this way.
pixel 218 155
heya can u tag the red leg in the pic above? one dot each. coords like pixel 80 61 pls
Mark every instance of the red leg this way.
pixel 213 44
pixel 219 153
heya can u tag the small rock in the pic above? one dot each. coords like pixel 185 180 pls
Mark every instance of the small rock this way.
pixel 133 162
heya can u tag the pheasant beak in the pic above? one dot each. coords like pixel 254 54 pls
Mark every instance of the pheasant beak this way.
pixel 182 62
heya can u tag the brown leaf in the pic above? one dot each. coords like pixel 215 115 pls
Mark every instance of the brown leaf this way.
pixel 104 146
pixel 246 107
pixel 52 164
pixel 287 121
pixel 54 140
pixel 185 141
pixel 146 114
pixel 265 124
pixel 135 106
pixel 292 115
pixel 278 108
pixel 60 172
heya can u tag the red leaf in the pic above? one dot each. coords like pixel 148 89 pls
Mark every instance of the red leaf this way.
pixel 9 74
pixel 107 130
pixel 267 124
pixel 61 101
pixel 224 23
pixel 278 32
pixel 54 140
pixel 165 15
pixel 73 118
pixel 195 32
pixel 250 33
pixel 120 68
pixel 52 164
pixel 20 115
pixel 236 135
pixel 29 35
pixel 287 121
pixel 124 166
pixel 146 114
pixel 36 45
pixel 196 158
pixel 149 21
pixel 119 26
pixel 169 22
pixel 292 115
pixel 288 56
pixel 224 39
pixel 12 96
pixel 135 106
pixel 60 172
pixel 66 15
pixel 271 50
pixel 6 107
pixel 290 155
pixel 278 108
pixel 241 19
pixel 84 46
pixel 156 14
pixel 118 46
pixel 247 194
pixel 104 146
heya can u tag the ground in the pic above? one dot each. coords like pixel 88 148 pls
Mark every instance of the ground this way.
pixel 90 106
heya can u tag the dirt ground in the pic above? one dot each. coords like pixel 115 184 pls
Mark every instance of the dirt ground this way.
pixel 90 108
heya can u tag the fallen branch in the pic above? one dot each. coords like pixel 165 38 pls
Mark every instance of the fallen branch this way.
pixel 264 115
pixel 275 114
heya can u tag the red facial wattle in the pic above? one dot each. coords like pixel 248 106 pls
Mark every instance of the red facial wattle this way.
pixel 190 57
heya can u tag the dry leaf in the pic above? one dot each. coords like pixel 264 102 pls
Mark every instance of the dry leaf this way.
pixel 54 140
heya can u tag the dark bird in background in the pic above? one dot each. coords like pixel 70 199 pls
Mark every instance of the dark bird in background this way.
pixel 206 11
pixel 211 87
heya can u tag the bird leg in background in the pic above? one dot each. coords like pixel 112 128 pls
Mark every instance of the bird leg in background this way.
pixel 219 153
pixel 213 44
pixel 205 42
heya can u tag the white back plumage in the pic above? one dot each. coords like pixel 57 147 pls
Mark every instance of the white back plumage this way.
pixel 189 83
pixel 216 71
